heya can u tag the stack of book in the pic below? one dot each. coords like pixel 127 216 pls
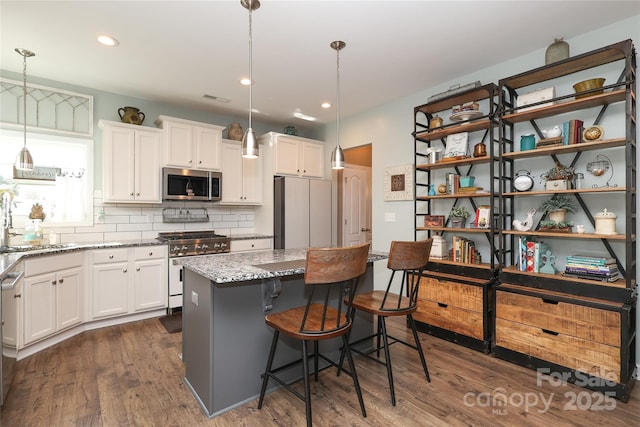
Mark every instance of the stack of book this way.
pixel 464 250
pixel 572 132
pixel 530 254
pixel 592 267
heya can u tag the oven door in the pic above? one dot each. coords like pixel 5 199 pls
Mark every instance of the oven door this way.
pixel 175 284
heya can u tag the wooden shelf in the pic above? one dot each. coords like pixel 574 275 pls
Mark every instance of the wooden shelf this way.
pixel 562 235
pixel 466 126
pixel 455 196
pixel 563 149
pixel 461 264
pixel 620 283
pixel 448 164
pixel 454 230
pixel 570 191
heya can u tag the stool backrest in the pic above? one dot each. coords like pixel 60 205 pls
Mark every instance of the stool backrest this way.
pixel 333 275
pixel 410 258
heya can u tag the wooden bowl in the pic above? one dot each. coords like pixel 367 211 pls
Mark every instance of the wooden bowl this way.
pixel 588 85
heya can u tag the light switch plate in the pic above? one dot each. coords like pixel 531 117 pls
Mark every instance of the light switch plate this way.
pixel 194 298
pixel 389 217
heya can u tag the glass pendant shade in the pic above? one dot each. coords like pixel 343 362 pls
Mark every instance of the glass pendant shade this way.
pixel 250 148
pixel 337 158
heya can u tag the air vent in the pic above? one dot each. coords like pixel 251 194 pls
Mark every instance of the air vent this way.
pixel 217 98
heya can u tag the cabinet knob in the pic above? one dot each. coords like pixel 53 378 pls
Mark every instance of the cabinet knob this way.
pixel 190 161
pixel 131 194
pixel 110 256
pixel 200 162
pixel 53 282
pixel 137 194
pixel 60 281
pixel 150 253
pixel 124 270
pixel 17 296
pixel 137 268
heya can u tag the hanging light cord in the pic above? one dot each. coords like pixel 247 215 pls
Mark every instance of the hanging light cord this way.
pixel 250 62
pixel 338 95
pixel 24 93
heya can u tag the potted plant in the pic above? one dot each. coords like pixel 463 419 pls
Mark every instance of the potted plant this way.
pixel 458 216
pixel 557 207
pixel 558 177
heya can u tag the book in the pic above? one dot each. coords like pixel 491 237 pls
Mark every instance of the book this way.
pixel 591 277
pixel 565 133
pixel 530 255
pixel 591 259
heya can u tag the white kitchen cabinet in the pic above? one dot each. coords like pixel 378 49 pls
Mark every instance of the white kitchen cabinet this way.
pixel 249 245
pixel 128 280
pixel 52 295
pixel 190 144
pixel 131 162
pixel 293 155
pixel 241 177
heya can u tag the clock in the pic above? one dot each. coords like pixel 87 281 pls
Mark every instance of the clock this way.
pixel 523 181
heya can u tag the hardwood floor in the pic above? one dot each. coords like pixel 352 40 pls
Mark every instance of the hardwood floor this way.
pixel 131 375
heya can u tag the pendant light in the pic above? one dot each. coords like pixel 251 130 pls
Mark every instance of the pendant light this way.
pixel 337 156
pixel 24 161
pixel 250 147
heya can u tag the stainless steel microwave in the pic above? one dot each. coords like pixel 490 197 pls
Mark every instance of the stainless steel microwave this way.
pixel 191 185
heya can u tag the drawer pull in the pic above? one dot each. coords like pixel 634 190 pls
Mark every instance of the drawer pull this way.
pixel 546 331
pixel 549 301
pixel 440 304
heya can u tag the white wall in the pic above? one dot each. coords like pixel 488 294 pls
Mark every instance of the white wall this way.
pixel 389 128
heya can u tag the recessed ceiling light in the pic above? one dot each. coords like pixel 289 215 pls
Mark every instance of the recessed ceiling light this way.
pixel 245 81
pixel 304 117
pixel 326 105
pixel 107 40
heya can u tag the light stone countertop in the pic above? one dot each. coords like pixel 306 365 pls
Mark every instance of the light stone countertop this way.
pixel 240 267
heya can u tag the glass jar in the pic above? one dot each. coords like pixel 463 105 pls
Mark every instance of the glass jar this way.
pixel 578 181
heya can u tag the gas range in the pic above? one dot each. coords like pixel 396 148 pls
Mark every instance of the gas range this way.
pixel 191 243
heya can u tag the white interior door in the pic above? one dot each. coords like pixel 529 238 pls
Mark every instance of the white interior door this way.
pixel 355 225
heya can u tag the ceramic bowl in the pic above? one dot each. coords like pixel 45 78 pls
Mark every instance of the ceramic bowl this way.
pixel 588 85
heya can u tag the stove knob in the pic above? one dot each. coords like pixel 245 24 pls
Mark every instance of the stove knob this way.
pixel 196 247
pixel 223 245
pixel 184 248
pixel 175 249
pixel 205 246
pixel 216 245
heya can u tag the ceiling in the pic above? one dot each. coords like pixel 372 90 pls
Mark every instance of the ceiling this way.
pixel 177 51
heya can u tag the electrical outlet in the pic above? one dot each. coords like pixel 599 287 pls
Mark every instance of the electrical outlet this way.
pixel 194 298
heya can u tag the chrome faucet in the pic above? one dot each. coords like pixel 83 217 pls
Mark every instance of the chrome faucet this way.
pixel 6 220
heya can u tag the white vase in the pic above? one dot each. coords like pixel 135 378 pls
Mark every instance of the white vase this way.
pixel 558 215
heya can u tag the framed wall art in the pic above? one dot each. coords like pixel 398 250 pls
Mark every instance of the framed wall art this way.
pixel 398 183
pixel 457 145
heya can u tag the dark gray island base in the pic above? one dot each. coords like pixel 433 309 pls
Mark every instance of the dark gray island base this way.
pixel 225 341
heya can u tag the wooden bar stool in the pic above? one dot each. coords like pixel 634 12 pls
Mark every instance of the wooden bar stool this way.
pixel 410 258
pixel 333 275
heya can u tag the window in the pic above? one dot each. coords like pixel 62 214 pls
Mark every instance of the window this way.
pixel 64 178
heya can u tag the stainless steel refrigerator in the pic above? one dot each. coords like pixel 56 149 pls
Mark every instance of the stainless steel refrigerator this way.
pixel 302 212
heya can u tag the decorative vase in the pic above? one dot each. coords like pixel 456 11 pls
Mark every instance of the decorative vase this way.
pixel 432 190
pixel 290 130
pixel 557 51
pixel 557 216
pixel 131 115
pixel 458 222
pixel 235 132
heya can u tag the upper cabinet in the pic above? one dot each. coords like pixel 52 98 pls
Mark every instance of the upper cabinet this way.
pixel 131 157
pixel 242 178
pixel 293 155
pixel 190 144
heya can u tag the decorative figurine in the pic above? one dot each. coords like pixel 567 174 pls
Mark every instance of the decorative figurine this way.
pixel 526 223
pixel 549 261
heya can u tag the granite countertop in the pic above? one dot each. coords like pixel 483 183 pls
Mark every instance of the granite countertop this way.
pixel 11 256
pixel 239 267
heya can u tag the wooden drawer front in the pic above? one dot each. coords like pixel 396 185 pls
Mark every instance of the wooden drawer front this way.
pixel 52 263
pixel 451 318
pixel 587 356
pixel 451 293
pixel 102 256
pixel 149 252
pixel 250 245
pixel 587 323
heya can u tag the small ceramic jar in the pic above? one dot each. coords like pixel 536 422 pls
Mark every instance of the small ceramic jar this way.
pixel 438 247
pixel 605 222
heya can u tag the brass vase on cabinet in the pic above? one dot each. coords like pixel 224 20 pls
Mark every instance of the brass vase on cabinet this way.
pixel 131 115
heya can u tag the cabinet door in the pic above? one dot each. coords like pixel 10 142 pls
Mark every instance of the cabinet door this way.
pixel 39 307
pixel 147 167
pixel 150 284
pixel 11 312
pixel 312 161
pixel 118 164
pixel 252 180
pixel 231 173
pixel 286 157
pixel 208 148
pixel 179 144
pixel 68 299
pixel 109 290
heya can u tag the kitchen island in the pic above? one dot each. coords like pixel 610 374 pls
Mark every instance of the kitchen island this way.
pixel 225 341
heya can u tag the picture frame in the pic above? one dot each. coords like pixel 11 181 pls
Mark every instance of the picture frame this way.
pixel 434 220
pixel 457 145
pixel 483 217
pixel 398 183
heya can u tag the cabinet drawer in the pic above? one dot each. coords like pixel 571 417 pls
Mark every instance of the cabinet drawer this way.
pixel 451 318
pixel 102 256
pixel 250 245
pixel 150 252
pixel 594 358
pixel 587 323
pixel 451 293
pixel 51 263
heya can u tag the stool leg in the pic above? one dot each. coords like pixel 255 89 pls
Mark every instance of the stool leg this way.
pixel 380 320
pixel 265 376
pixel 415 336
pixel 307 387
pixel 315 360
pixel 356 383
pixel 387 356
pixel 352 314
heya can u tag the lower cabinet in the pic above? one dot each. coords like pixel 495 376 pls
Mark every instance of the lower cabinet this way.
pixel 128 280
pixel 456 308
pixel 52 295
pixel 585 341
